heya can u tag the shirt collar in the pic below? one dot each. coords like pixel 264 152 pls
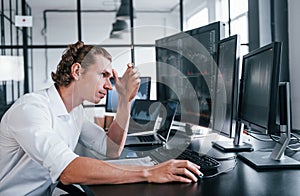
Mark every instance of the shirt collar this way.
pixel 56 102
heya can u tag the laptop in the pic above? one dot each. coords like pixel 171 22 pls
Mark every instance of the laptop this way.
pixel 150 122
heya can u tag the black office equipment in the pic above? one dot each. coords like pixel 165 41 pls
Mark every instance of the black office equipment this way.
pixel 208 165
pixel 206 162
pixel 112 95
pixel 226 94
pixel 258 106
pixel 186 69
pixel 143 116
pixel 226 91
pixel 151 122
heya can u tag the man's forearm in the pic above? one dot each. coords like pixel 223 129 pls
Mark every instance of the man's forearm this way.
pixel 83 170
pixel 117 132
pixel 115 140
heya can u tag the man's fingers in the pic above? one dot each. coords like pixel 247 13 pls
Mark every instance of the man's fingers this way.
pixel 115 75
pixel 188 169
pixel 181 179
pixel 184 172
pixel 130 65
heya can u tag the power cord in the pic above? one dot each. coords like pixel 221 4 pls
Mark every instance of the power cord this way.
pixel 251 134
pixel 225 158
pixel 275 138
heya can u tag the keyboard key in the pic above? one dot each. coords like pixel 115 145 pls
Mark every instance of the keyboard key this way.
pixel 146 138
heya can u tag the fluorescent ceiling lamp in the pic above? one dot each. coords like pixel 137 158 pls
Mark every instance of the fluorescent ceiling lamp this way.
pixel 115 35
pixel 119 25
pixel 11 68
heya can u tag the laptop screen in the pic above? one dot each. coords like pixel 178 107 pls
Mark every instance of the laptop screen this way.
pixel 143 115
pixel 145 110
pixel 146 113
pixel 167 114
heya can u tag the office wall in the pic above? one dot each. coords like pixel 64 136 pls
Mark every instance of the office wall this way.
pixel 294 48
pixel 96 27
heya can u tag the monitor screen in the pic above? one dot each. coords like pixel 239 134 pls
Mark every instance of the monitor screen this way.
pixel 112 95
pixel 143 115
pixel 144 110
pixel 185 71
pixel 226 94
pixel 259 88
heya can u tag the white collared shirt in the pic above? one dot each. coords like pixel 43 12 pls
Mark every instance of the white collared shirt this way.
pixel 37 141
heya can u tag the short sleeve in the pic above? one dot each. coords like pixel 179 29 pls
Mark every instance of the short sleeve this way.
pixel 93 137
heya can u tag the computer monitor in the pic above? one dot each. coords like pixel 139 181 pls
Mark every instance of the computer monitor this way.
pixel 258 103
pixel 259 87
pixel 226 94
pixel 112 95
pixel 186 63
pixel 226 91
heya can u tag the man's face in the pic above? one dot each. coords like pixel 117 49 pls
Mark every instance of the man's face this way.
pixel 95 81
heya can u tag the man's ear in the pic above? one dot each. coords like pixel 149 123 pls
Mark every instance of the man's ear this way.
pixel 75 70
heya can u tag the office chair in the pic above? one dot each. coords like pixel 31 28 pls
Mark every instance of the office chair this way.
pixel 74 191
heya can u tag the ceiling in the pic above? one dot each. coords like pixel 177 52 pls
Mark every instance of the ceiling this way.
pixel 139 5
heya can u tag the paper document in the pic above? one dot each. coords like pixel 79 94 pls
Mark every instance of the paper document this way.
pixel 144 161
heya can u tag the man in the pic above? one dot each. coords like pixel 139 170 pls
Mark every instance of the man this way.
pixel 39 133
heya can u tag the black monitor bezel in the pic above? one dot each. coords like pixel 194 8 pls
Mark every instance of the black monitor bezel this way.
pixel 161 42
pixel 107 95
pixel 271 124
pixel 199 30
pixel 235 86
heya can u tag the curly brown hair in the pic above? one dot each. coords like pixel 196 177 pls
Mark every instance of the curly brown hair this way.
pixel 76 53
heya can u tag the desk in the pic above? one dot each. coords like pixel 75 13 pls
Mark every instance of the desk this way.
pixel 241 181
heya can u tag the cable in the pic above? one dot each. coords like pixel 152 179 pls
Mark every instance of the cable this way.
pixel 293 149
pixel 290 145
pixel 225 158
pixel 248 131
pixel 273 138
pixel 259 139
pixel 295 136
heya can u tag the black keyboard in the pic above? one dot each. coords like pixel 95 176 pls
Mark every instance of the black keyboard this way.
pixel 146 138
pixel 206 162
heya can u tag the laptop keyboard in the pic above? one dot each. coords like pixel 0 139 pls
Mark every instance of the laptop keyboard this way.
pixel 146 138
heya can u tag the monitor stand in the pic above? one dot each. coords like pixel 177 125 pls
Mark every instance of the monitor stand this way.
pixel 276 159
pixel 236 145
pixel 227 146
pixel 261 160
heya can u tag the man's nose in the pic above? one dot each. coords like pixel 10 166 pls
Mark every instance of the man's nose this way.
pixel 108 84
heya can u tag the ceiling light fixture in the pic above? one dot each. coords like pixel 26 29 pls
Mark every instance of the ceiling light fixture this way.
pixel 124 10
pixel 118 27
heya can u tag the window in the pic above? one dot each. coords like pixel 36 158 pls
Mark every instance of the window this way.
pixel 197 20
pixel 239 22
pixel 234 13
